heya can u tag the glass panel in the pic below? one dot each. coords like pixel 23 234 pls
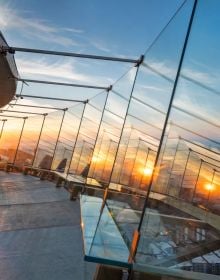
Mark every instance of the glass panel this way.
pixel 110 130
pixel 87 136
pixel 134 154
pixel 29 140
pixel 48 140
pixel 10 139
pixel 67 137
pixel 180 229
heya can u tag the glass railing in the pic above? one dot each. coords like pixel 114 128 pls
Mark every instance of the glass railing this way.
pixel 145 154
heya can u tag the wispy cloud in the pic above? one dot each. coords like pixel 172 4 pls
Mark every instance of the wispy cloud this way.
pixel 168 71
pixel 61 70
pixel 37 28
pixel 73 30
pixel 34 27
pixel 99 45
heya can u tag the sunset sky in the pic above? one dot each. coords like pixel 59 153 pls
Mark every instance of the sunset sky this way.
pixel 110 29
pixel 95 27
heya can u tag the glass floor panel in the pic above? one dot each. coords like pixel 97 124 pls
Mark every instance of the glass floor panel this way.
pixel 103 242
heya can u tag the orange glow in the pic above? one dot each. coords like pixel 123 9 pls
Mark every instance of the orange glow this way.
pixel 209 187
pixel 147 171
pixel 96 159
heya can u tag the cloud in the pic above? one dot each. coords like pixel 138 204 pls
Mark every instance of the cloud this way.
pixel 61 70
pixel 203 115
pixel 168 71
pixel 45 31
pixel 73 30
pixel 203 77
pixel 34 27
pixel 100 46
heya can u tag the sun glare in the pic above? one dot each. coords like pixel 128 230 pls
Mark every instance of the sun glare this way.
pixel 95 159
pixel 209 186
pixel 147 171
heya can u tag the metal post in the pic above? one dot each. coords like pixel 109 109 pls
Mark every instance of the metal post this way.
pixel 184 172
pixel 38 141
pixel 197 179
pixel 24 120
pixel 3 124
pixel 58 136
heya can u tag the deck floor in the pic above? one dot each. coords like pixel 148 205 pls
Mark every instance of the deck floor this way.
pixel 40 233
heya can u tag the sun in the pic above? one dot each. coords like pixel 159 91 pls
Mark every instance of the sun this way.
pixel 209 186
pixel 95 159
pixel 147 171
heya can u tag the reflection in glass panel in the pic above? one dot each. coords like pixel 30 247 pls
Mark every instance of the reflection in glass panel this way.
pixel 48 140
pixel 66 138
pixel 87 136
pixel 10 138
pixel 180 229
pixel 138 142
pixel 29 140
pixel 110 130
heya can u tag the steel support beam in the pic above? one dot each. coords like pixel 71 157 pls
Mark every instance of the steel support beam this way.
pixel 61 84
pixel 69 54
pixel 50 98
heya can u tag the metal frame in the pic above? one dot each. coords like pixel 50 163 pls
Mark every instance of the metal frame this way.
pixel 60 84
pixel 50 98
pixel 12 50
pixel 20 112
pixel 35 106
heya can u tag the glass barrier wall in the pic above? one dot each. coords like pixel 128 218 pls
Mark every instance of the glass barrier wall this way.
pixel 48 140
pixel 29 139
pixel 10 138
pixel 142 124
pixel 180 227
pixel 110 129
pixel 153 176
pixel 66 138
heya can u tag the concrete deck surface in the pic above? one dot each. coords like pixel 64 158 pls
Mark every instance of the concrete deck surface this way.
pixel 40 234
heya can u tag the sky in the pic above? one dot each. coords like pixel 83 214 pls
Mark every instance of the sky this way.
pixel 109 28
pixel 115 28
pixel 123 29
